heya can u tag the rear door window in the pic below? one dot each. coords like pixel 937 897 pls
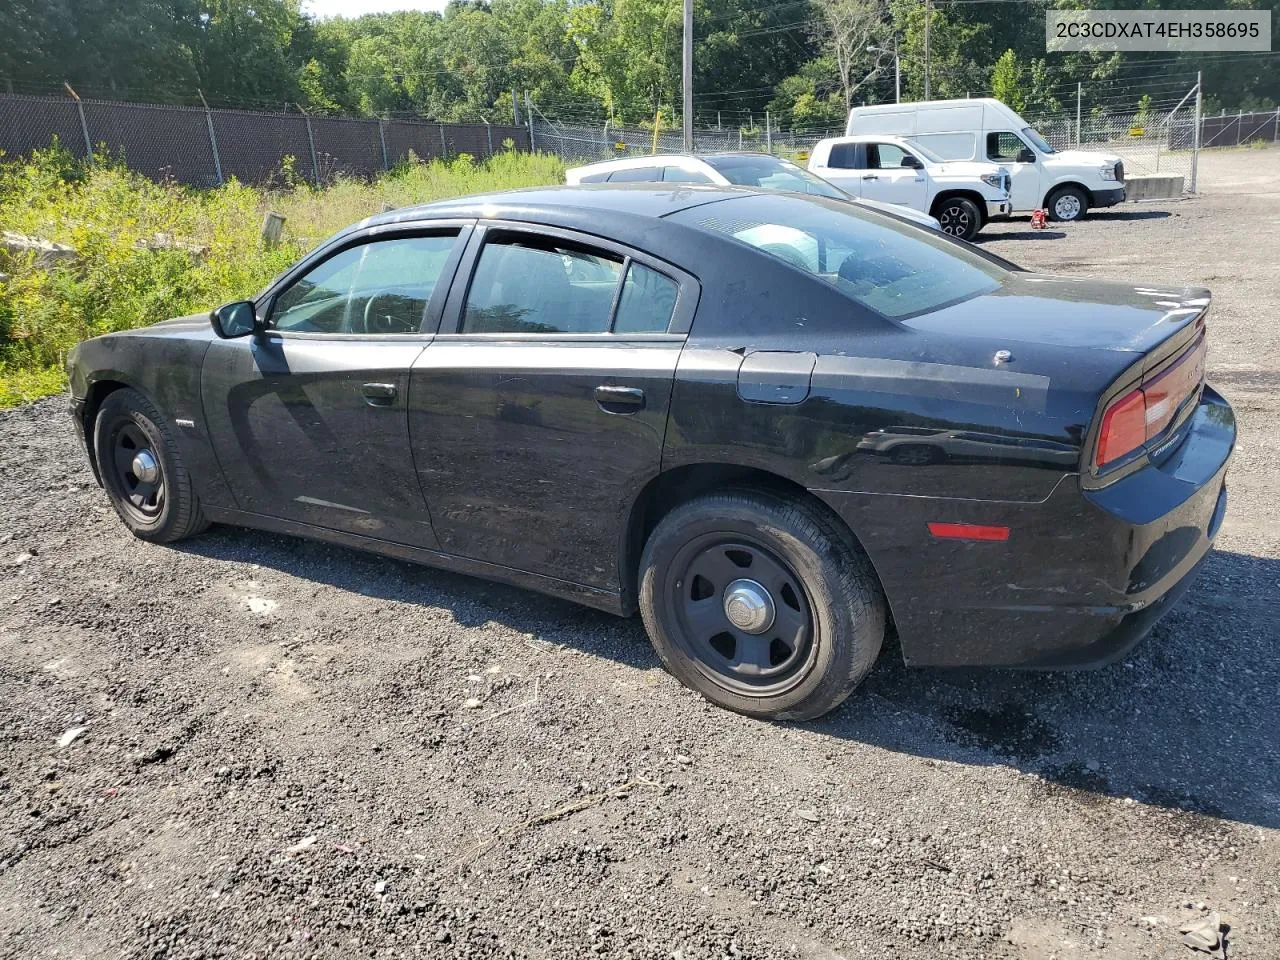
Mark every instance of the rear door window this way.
pixel 637 175
pixel 524 283
pixel 678 175
pixel 844 156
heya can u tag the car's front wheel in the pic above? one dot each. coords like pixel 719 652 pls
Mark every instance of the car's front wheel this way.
pixel 959 217
pixel 761 604
pixel 142 470
pixel 1068 204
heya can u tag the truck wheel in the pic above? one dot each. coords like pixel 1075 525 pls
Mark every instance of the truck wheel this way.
pixel 959 217
pixel 761 604
pixel 1067 204
pixel 142 470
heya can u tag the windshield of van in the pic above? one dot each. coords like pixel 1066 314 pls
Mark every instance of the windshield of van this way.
pixel 897 269
pixel 1040 142
pixel 771 173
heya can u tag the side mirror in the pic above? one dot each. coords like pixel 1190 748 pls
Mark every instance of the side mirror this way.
pixel 912 161
pixel 1026 155
pixel 233 320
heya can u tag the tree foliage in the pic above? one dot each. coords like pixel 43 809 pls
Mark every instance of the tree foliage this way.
pixel 806 61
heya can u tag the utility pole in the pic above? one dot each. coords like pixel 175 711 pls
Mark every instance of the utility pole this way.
pixel 1079 97
pixel 687 80
pixel 928 9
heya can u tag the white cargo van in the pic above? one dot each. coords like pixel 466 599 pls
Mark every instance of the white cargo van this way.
pixel 1065 183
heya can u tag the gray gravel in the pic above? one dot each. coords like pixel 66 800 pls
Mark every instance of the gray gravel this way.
pixel 295 750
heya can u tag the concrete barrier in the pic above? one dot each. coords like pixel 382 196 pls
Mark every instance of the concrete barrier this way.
pixel 1153 188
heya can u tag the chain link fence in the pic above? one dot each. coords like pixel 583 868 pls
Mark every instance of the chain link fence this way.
pixel 1154 146
pixel 203 147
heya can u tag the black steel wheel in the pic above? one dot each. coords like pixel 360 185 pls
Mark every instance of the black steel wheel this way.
pixel 761 603
pixel 959 217
pixel 142 470
pixel 744 617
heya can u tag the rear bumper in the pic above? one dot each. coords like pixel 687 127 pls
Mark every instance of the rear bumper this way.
pixel 1083 576
pixel 1106 198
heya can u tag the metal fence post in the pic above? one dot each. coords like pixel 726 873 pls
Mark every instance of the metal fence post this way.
pixel 444 147
pixel 1195 137
pixel 213 138
pixel 84 124
pixel 311 142
pixel 528 113
pixel 488 131
pixel 382 139
pixel 768 133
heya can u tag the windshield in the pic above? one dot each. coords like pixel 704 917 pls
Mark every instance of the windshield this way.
pixel 772 173
pixel 1040 142
pixel 897 269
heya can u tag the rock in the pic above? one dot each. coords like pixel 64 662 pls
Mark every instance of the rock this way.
pixel 306 843
pixel 20 559
pixel 472 703
pixel 379 887
pixel 683 760
pixel 808 813
pixel 71 736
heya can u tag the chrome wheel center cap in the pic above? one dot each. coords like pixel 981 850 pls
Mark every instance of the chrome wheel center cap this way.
pixel 748 606
pixel 144 467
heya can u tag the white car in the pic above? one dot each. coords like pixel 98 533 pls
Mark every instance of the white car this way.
pixel 962 195
pixel 1064 183
pixel 759 170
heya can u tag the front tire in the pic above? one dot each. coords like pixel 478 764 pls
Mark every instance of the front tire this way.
pixel 1068 204
pixel 959 217
pixel 142 470
pixel 761 604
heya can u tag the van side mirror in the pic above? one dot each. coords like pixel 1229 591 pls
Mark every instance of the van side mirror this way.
pixel 233 320
pixel 912 161
pixel 1026 155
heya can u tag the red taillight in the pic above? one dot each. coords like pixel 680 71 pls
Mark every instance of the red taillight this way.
pixel 1145 412
pixel 1124 427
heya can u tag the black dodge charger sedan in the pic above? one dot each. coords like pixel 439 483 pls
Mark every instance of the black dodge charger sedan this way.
pixel 773 423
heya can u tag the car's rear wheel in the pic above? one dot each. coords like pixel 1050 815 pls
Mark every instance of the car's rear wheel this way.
pixel 760 604
pixel 1068 204
pixel 959 217
pixel 142 470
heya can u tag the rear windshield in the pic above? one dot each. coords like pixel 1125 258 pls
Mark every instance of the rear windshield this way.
pixel 897 269
pixel 771 173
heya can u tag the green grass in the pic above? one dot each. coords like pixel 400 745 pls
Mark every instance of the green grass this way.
pixel 120 280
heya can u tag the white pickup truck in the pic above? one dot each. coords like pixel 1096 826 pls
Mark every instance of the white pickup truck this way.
pixel 962 195
pixel 1065 183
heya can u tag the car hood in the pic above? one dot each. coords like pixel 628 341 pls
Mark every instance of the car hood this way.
pixel 1081 158
pixel 1074 312
pixel 964 168
pixel 197 325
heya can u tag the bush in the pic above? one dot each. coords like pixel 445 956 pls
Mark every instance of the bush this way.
pixel 145 251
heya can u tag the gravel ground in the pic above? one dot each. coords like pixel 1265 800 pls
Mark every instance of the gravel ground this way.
pixel 291 750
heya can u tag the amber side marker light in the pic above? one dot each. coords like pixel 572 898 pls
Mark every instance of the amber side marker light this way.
pixel 967 531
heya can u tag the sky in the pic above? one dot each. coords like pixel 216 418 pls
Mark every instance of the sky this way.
pixel 354 8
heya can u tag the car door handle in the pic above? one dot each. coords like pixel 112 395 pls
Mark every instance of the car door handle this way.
pixel 619 399
pixel 380 394
pixel 870 176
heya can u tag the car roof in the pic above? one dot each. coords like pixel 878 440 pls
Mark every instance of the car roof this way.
pixel 868 138
pixel 552 204
pixel 628 163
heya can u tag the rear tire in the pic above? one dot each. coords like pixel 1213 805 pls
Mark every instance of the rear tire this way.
pixel 821 614
pixel 959 217
pixel 1067 205
pixel 142 470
